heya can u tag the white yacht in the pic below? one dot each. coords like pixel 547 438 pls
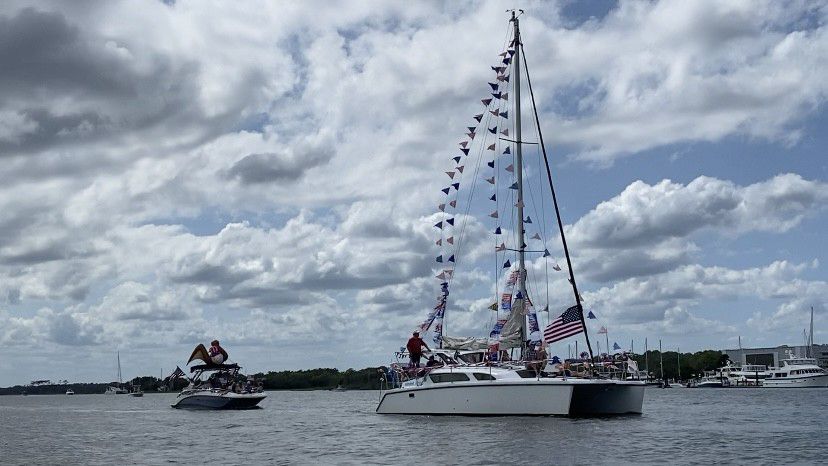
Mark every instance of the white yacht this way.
pixel 712 379
pixel 797 372
pixel 490 164
pixel 115 390
pixel 509 391
pixel 70 392
pixel 752 374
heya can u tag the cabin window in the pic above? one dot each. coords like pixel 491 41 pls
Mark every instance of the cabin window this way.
pixel 449 377
pixel 483 376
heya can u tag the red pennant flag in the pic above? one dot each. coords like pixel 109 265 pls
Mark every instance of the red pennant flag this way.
pixel 502 247
pixel 505 96
pixel 505 132
pixel 510 168
pixel 460 168
pixel 442 207
pixel 492 147
pixel 464 143
pixel 453 203
pixel 470 135
pixel 490 180
pixel 450 240
pixel 439 242
pixel 495 112
pixel 486 102
pixel 450 175
pixel 493 214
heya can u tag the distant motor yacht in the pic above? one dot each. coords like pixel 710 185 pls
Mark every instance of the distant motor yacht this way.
pixel 797 372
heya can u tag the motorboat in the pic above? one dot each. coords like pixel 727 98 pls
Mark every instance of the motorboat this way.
pixel 797 373
pixel 115 390
pixel 712 379
pixel 136 391
pixel 70 392
pixel 211 387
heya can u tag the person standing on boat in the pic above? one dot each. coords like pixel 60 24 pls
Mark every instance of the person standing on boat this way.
pixel 415 348
pixel 217 354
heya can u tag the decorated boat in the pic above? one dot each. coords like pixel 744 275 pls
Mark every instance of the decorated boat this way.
pixel 502 373
pixel 215 386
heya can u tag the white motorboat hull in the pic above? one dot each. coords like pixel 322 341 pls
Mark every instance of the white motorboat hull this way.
pixel 710 384
pixel 530 397
pixel 206 399
pixel 816 381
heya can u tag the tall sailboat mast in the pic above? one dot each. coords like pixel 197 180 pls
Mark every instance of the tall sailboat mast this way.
pixel 519 171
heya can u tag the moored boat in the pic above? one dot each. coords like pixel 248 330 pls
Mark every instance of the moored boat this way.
pixel 797 373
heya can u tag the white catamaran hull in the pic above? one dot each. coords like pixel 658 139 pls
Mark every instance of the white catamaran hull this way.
pixel 524 398
pixel 816 381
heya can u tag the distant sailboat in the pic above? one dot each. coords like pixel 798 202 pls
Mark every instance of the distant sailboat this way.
pixel 117 389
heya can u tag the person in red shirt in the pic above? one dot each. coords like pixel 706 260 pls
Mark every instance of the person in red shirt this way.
pixel 415 348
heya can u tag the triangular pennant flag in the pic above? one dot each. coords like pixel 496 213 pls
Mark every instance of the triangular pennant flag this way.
pixel 507 60
pixel 471 128
pixel 514 186
pixel 505 96
pixel 518 295
pixel 506 77
pixel 507 264
pixel 450 240
pixel 453 203
pixel 450 175
pixel 497 231
pixel 519 204
pixel 501 77
pixel 505 132
pixel 494 86
pixel 491 147
pixel 493 130
pixel 502 54
pixel 451 258
pixel 464 143
pixel 495 112
pixel 471 136
pixel 465 150
pixel 523 246
pixel 536 236
pixel 439 259
pixel 478 117
pixel 556 267
pixel 491 180
pixel 445 190
pixel 439 225
pixel 502 247
pixel 490 164
pixel 511 51
pixel 441 276
pixel 439 242
pixel 456 159
pixel 528 219
pixel 486 102
pixel 507 151
pixel 496 95
pixel 505 114
pixel 510 168
pixel 448 272
pixel 546 254
pixel 591 315
pixel 442 207
pixel 459 169
pixel 494 197
pixel 450 221
pixel 493 306
pixel 493 214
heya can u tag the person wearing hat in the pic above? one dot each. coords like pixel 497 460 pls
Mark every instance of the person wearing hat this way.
pixel 415 348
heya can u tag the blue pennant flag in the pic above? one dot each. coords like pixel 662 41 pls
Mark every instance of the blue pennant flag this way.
pixel 493 130
pixel 494 197
pixel 471 128
pixel 465 151
pixel 445 190
pixel 490 164
pixel 511 51
pixel 507 60
pixel 456 186
pixel 478 117
pixel 451 258
pixel 439 225
pixel 450 221
pixel 514 186
pixel 528 219
pixel 456 159
pixel 507 151
pixel 555 360
pixel 546 253
pixel 507 264
pixel 494 86
pixel 497 231
pixel 519 295
pixel 496 95
pixel 439 258
pixel 615 346
pixel 504 114
pixel 590 315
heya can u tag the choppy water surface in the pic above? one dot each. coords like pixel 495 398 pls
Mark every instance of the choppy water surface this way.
pixel 759 426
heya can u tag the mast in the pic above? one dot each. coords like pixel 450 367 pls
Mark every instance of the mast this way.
pixel 661 359
pixel 551 188
pixel 646 359
pixel 678 362
pixel 811 335
pixel 519 171
pixel 120 381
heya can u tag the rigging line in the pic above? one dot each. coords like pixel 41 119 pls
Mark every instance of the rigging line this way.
pixel 557 210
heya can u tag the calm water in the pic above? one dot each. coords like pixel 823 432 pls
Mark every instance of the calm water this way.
pixel 759 426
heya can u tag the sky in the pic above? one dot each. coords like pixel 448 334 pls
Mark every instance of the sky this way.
pixel 267 174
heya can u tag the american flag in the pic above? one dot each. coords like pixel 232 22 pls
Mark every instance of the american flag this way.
pixel 567 324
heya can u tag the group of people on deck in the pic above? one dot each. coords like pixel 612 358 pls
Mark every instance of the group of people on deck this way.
pixel 535 356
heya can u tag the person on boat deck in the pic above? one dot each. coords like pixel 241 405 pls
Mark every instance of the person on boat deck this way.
pixel 433 362
pixel 415 348
pixel 217 354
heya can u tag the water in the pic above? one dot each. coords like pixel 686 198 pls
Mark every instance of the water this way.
pixel 684 426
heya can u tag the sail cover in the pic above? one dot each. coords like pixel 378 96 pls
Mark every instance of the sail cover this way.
pixel 509 334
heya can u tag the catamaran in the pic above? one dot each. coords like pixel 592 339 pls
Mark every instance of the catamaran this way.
pixel 460 381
